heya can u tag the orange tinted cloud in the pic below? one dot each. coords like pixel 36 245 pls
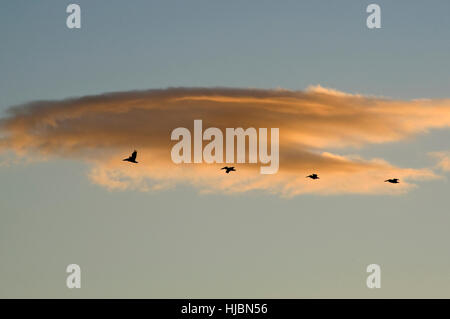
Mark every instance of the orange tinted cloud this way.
pixel 103 129
pixel 443 160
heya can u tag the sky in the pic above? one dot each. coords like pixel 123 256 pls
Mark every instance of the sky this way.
pixel 359 105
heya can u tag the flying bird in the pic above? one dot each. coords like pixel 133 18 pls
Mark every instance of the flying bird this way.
pixel 392 180
pixel 313 176
pixel 132 158
pixel 229 169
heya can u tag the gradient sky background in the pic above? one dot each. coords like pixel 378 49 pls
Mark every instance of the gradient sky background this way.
pixel 178 243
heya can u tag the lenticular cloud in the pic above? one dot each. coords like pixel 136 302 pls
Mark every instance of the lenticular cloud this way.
pixel 318 128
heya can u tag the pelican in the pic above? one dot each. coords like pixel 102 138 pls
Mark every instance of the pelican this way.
pixel 229 169
pixel 132 158
pixel 392 180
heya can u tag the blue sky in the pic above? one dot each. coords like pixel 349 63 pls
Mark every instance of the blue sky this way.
pixel 268 44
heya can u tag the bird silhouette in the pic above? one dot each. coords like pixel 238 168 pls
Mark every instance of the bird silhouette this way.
pixel 392 180
pixel 132 158
pixel 313 176
pixel 229 169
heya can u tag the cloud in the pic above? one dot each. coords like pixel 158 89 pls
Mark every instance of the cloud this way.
pixel 443 160
pixel 317 127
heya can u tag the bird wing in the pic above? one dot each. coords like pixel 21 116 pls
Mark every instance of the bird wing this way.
pixel 133 156
pixel 224 167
